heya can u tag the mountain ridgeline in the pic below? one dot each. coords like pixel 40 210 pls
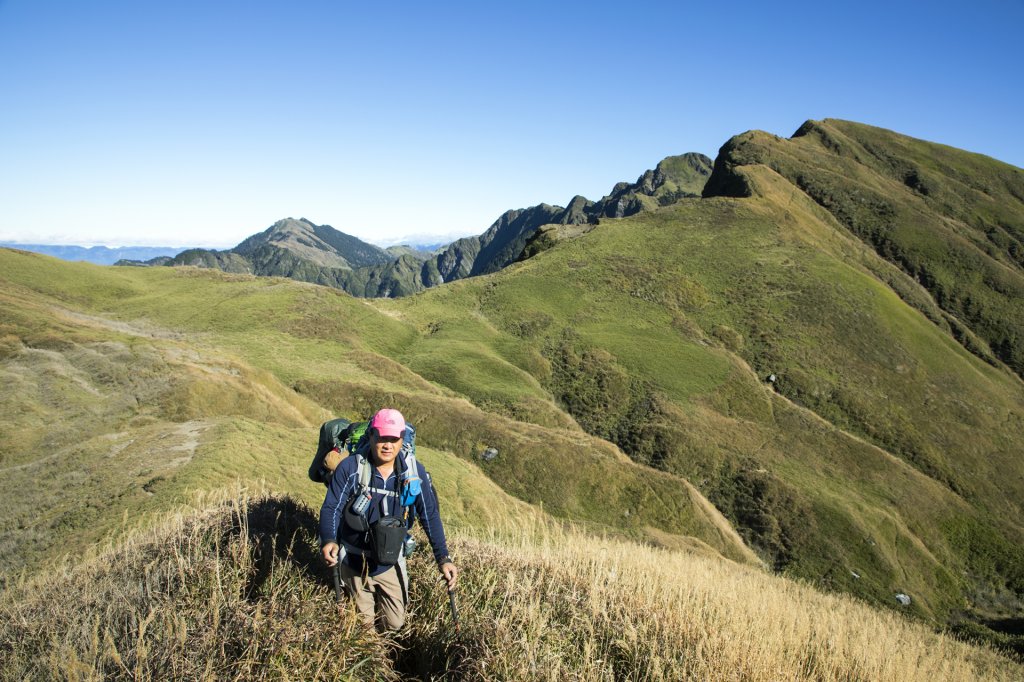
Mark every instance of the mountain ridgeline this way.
pixel 320 254
pixel 951 221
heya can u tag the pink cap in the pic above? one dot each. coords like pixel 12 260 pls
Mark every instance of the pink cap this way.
pixel 389 423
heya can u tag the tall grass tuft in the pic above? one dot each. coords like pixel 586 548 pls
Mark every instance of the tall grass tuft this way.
pixel 236 593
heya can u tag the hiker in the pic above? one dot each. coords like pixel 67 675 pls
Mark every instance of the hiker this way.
pixel 364 520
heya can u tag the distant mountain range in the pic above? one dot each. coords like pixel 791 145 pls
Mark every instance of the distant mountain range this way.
pixel 301 250
pixel 304 251
pixel 162 255
pixel 99 255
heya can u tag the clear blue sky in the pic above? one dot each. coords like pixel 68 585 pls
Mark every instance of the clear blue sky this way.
pixel 181 123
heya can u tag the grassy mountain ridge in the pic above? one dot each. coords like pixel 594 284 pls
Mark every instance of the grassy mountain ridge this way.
pixel 951 220
pixel 665 352
pixel 758 377
pixel 700 442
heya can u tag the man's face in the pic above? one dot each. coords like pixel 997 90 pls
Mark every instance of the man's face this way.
pixel 385 448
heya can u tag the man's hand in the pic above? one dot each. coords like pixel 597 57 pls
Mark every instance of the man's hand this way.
pixel 330 553
pixel 450 574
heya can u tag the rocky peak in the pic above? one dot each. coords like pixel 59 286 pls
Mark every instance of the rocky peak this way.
pixel 320 245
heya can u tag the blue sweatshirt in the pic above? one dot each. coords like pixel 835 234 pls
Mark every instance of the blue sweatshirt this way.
pixel 332 514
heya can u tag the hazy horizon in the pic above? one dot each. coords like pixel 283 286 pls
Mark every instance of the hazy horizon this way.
pixel 410 240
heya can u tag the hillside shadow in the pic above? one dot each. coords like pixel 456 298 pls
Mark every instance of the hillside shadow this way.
pixel 1007 626
pixel 430 658
pixel 282 530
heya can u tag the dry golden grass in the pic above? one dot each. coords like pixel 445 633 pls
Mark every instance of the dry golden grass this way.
pixel 559 606
pixel 237 592
pixel 231 593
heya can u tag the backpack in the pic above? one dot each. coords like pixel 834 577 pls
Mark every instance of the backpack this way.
pixel 353 438
pixel 333 435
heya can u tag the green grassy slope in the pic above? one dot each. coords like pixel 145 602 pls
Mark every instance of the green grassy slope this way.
pixel 135 389
pixel 951 220
pixel 883 458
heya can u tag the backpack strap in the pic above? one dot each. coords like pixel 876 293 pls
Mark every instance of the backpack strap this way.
pixel 409 479
pixel 382 491
pixel 365 471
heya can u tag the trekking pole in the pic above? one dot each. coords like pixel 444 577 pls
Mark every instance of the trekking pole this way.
pixel 455 611
pixel 336 573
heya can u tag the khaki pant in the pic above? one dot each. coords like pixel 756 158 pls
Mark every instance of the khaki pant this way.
pixel 387 591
